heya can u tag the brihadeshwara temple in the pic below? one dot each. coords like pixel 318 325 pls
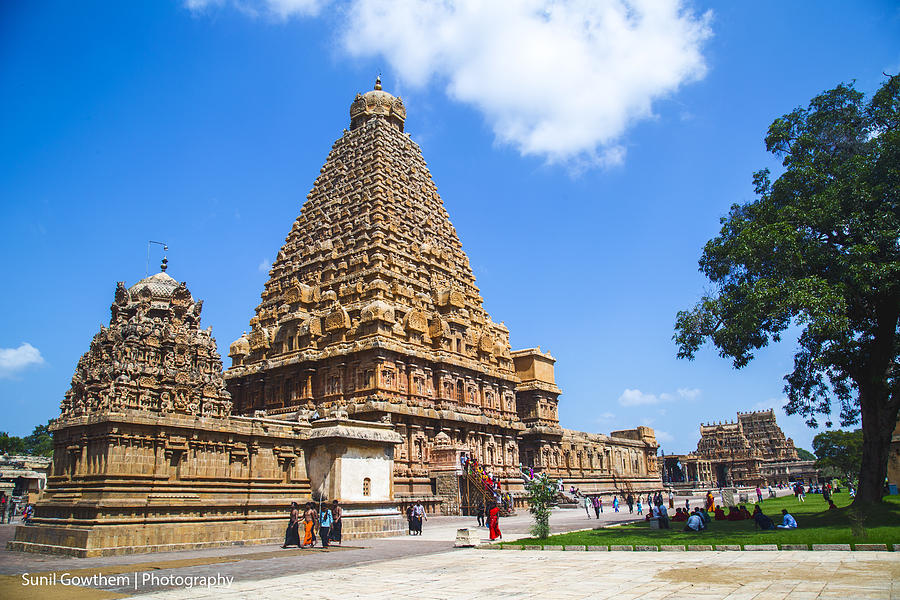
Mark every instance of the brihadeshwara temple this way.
pixel 370 368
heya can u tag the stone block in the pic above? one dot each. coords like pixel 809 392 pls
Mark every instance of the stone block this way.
pixel 510 547
pixel 485 547
pixel 532 547
pixel 728 547
pixel 794 547
pixel 671 548
pixel 466 538
pixel 576 548
pixel 760 547
pixel 549 547
pixel 598 548
pixel 646 548
pixel 871 547
pixel 620 548
pixel 699 547
pixel 831 547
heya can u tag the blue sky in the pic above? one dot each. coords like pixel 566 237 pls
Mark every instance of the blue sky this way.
pixel 583 171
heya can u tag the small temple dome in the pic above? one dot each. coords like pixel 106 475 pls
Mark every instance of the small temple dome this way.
pixel 377 103
pixel 161 286
pixel 240 346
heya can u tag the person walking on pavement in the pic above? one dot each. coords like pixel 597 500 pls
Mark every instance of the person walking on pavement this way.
pixel 336 513
pixel 418 517
pixel 292 534
pixel 326 520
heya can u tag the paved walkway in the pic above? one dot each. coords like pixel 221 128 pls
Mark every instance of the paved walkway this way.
pixel 487 574
pixel 428 567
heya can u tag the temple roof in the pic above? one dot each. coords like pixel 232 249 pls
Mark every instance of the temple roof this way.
pixel 373 256
pixel 160 285
pixel 153 357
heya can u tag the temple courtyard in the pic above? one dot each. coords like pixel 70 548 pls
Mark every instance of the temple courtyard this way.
pixel 429 567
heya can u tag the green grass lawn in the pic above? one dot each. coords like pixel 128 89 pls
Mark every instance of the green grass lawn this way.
pixel 817 525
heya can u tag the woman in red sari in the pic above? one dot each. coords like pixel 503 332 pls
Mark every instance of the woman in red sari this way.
pixel 494 522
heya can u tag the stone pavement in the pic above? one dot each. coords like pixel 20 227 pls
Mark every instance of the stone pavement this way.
pixel 486 574
pixel 428 567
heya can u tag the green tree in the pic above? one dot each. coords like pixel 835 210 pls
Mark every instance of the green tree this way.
pixel 541 497
pixel 805 454
pixel 818 249
pixel 11 444
pixel 40 442
pixel 841 451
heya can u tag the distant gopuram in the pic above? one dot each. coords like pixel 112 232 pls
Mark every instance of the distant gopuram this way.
pixel 750 451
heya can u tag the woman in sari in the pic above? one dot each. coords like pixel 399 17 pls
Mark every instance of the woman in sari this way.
pixel 494 522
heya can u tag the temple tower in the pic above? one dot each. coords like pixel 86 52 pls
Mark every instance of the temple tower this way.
pixel 371 307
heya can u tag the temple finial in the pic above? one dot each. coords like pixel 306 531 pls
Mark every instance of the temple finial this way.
pixel 164 264
pixel 378 82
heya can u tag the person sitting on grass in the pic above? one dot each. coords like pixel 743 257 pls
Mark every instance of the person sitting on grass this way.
pixel 720 514
pixel 788 521
pixel 704 514
pixel 680 515
pixel 663 516
pixel 762 521
pixel 734 514
pixel 745 514
pixel 695 522
pixel 831 505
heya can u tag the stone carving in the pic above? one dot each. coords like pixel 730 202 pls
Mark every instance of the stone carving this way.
pixel 153 357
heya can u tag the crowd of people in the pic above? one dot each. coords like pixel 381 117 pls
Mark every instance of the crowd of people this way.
pixel 489 481
pixel 323 524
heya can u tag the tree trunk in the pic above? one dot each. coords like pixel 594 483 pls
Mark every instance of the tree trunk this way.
pixel 878 405
pixel 879 418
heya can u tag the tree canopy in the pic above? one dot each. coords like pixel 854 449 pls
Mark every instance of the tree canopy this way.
pixel 840 451
pixel 818 249
pixel 805 454
pixel 39 443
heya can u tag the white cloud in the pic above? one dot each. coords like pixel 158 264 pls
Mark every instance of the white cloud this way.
pixel 663 436
pixel 688 393
pixel 606 416
pixel 13 360
pixel 636 397
pixel 559 79
pixel 264 266
pixel 278 9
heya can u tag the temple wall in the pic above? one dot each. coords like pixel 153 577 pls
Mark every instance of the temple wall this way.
pixel 125 483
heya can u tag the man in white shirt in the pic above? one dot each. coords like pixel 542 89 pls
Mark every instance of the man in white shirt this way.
pixel 418 517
